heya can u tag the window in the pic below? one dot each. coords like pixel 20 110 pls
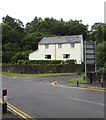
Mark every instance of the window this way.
pixel 47 56
pixel 72 45
pixel 59 45
pixel 46 46
pixel 66 55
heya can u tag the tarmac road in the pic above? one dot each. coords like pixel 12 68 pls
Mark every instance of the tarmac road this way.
pixel 39 99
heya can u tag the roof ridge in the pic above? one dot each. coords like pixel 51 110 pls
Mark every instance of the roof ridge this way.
pixel 66 35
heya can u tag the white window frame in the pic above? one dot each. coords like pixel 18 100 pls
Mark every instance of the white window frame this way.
pixel 59 46
pixel 66 56
pixel 46 56
pixel 46 46
pixel 72 45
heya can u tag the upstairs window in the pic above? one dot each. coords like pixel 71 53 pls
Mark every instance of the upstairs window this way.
pixel 59 45
pixel 46 46
pixel 66 55
pixel 47 56
pixel 72 45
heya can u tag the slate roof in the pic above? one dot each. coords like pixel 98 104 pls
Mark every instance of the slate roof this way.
pixel 61 39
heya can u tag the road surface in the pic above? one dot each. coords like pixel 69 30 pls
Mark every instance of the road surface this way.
pixel 39 99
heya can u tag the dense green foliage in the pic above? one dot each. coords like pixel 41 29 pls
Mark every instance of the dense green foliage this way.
pixel 101 53
pixel 102 69
pixel 31 62
pixel 19 40
pixel 98 33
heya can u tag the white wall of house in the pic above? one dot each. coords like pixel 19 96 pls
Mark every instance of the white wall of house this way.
pixel 57 53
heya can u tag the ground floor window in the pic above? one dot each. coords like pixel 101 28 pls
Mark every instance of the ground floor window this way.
pixel 66 55
pixel 47 56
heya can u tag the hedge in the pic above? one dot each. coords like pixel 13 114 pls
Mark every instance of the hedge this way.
pixel 32 62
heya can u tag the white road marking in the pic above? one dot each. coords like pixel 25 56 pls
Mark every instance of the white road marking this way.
pixel 44 92
pixel 85 101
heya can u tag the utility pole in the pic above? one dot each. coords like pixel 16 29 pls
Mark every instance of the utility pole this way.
pixel 85 58
pixel 95 56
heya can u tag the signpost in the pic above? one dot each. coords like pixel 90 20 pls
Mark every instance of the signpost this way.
pixel 90 54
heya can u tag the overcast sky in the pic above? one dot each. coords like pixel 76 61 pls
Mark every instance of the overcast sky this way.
pixel 89 11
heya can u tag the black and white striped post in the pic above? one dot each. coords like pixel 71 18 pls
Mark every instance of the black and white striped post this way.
pixel 77 83
pixel 4 104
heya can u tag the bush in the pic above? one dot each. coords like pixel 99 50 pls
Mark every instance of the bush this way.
pixel 70 62
pixel 32 62
pixel 102 69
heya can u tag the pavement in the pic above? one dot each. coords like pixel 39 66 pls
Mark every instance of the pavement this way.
pixel 65 83
pixel 9 116
pixel 80 85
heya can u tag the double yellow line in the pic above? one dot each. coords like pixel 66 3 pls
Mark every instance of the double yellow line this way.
pixel 17 111
pixel 56 84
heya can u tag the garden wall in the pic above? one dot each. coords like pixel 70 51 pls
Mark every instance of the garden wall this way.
pixel 45 68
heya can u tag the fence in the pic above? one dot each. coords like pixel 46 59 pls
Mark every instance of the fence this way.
pixel 96 77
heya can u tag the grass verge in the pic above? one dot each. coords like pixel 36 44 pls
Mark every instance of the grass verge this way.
pixel 81 80
pixel 33 75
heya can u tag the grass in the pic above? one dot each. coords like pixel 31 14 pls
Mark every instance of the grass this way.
pixel 81 80
pixel 33 75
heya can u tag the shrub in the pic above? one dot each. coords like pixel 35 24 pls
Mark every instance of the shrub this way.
pixel 70 62
pixel 32 62
pixel 20 62
pixel 102 69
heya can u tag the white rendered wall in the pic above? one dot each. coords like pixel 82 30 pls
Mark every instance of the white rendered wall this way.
pixel 57 53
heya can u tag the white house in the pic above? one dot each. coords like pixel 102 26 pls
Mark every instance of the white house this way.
pixel 59 48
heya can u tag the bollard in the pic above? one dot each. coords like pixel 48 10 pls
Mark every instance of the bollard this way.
pixel 4 104
pixel 77 83
pixel 101 80
pixel 102 84
pixel 4 108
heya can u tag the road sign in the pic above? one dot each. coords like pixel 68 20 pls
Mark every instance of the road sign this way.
pixel 89 54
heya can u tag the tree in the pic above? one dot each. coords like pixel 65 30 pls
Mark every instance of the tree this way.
pixel 102 69
pixel 34 25
pixel 30 41
pixel 14 23
pixel 12 34
pixel 101 53
pixel 57 27
pixel 6 56
pixel 95 27
pixel 98 32
pixel 76 27
pixel 20 56
pixel 9 34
